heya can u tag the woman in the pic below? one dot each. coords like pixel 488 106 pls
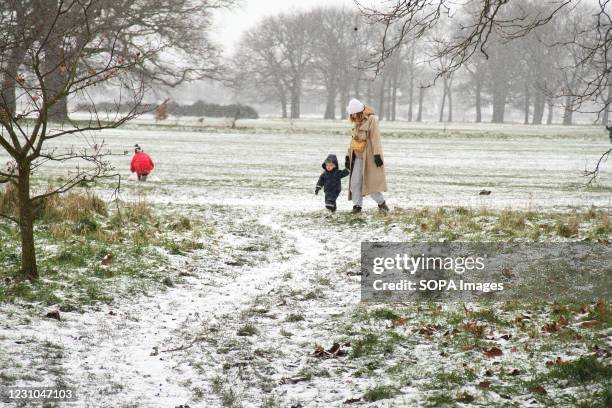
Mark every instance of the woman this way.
pixel 365 157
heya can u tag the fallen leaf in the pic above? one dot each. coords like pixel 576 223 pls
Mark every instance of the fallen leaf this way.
pixel 293 380
pixel 399 322
pixel 493 352
pixel 54 314
pixel 522 317
pixel 427 330
pixel 506 336
pixel 559 361
pixel 602 309
pixel 563 321
pixel 335 350
pixel 484 384
pixel 514 372
pixel 552 327
pixel 589 323
pixel 353 400
pixel 107 260
pixel 465 397
pixel 489 373
pixel 537 389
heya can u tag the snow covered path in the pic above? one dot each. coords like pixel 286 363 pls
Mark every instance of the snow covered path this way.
pixel 143 352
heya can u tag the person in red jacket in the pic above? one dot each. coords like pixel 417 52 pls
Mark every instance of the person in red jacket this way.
pixel 142 164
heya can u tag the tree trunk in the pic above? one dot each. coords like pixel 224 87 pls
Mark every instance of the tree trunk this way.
pixel 410 97
pixel 606 112
pixel 568 111
pixel 527 104
pixel 26 224
pixel 344 100
pixel 295 99
pixel 8 100
pixel 478 101
pixel 282 98
pixel 394 100
pixel 421 96
pixel 389 94
pixel 411 87
pixel 499 106
pixel 450 102
pixel 330 104
pixel 381 98
pixel 443 103
pixel 55 81
pixel 549 119
pixel 538 108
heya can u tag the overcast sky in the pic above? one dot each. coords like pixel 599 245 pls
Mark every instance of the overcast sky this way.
pixel 229 25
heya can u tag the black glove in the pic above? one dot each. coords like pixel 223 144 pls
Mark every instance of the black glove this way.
pixel 347 163
pixel 378 160
pixel 317 188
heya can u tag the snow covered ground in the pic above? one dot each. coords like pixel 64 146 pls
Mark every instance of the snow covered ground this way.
pixel 242 326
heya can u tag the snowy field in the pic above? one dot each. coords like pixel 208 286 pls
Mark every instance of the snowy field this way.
pixel 242 324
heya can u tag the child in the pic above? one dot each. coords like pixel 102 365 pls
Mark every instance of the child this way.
pixel 141 164
pixel 330 181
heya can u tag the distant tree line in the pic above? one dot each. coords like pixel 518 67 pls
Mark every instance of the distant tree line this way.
pixel 326 53
pixel 199 108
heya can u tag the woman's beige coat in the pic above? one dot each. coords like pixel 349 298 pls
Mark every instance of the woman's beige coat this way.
pixel 374 179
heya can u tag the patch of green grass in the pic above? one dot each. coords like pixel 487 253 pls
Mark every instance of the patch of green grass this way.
pixel 441 399
pixel 247 330
pixel 375 344
pixel 601 399
pixel 70 253
pixel 586 369
pixel 383 314
pixel 488 315
pixel 380 392
pixel 294 318
pixel 449 379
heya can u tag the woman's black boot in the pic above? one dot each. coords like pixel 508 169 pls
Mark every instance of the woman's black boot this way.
pixel 383 207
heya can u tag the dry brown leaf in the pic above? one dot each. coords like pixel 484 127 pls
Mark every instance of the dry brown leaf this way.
pixel 589 323
pixel 107 260
pixel 537 389
pixel 428 330
pixel 53 314
pixel 552 327
pixel 484 384
pixel 493 352
pixel 514 372
pixel 465 397
pixel 602 309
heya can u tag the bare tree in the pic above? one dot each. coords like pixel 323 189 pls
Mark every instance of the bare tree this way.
pixel 178 28
pixel 26 135
pixel 406 20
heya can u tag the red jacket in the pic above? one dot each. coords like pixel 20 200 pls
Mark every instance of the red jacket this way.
pixel 141 163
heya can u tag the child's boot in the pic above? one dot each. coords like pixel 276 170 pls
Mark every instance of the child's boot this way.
pixel 356 209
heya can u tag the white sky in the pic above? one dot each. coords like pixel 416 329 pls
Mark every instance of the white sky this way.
pixel 229 25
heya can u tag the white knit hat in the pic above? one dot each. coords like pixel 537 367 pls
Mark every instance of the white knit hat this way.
pixel 355 106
